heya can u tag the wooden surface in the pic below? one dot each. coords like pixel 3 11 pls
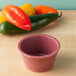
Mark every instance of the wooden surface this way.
pixel 11 63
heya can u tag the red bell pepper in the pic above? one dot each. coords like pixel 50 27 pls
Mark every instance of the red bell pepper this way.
pixel 16 16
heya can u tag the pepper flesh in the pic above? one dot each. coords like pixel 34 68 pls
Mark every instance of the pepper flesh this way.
pixel 16 16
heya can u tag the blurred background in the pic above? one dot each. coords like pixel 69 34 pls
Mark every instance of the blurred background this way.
pixel 58 4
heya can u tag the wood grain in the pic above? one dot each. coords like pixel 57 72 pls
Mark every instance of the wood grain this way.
pixel 64 29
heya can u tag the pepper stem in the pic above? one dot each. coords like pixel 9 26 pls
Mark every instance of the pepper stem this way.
pixel 60 14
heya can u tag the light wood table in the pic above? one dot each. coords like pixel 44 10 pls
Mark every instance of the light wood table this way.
pixel 11 63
